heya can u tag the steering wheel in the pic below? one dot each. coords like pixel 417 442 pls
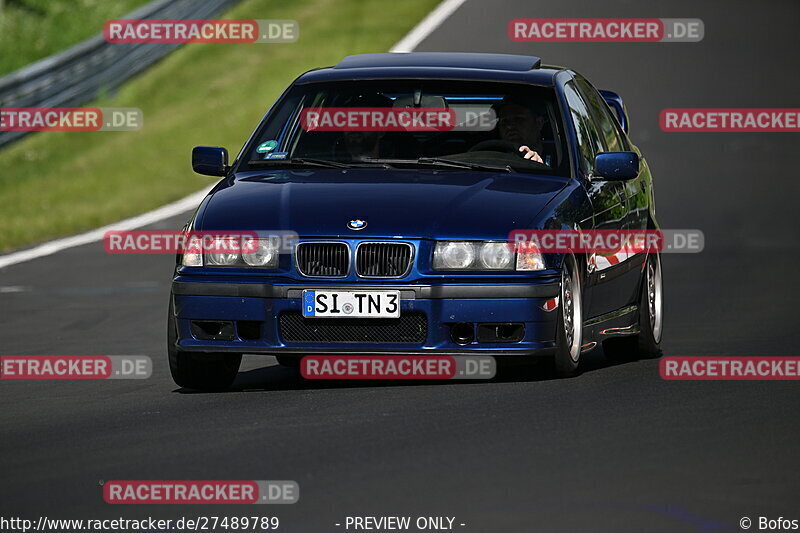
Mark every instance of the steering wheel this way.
pixel 496 145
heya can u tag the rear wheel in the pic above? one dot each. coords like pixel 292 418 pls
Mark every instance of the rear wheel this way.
pixel 569 332
pixel 201 371
pixel 647 344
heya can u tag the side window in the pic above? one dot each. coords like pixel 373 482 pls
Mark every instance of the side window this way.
pixel 589 143
pixel 608 127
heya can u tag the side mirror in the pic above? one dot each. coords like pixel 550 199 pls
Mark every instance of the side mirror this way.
pixel 615 166
pixel 210 160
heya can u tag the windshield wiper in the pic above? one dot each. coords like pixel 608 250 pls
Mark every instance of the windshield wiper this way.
pixel 463 164
pixel 446 163
pixel 300 162
pixel 385 163
pixel 310 162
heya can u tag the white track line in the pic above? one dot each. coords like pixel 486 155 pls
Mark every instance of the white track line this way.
pixel 427 26
pixel 406 44
pixel 170 210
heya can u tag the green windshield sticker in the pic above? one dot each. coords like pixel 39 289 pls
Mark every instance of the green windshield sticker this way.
pixel 267 146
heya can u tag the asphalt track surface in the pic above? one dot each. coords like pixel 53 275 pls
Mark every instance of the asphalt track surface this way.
pixel 615 449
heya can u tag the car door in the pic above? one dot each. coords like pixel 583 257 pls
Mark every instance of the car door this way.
pixel 606 288
pixel 635 193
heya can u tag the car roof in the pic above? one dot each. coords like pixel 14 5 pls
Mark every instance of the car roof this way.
pixel 442 60
pixel 437 65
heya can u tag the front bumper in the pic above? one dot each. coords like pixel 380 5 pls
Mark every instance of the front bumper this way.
pixel 442 306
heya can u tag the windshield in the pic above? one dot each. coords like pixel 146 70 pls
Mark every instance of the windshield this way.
pixel 482 126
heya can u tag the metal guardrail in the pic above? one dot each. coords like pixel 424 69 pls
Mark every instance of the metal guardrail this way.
pixel 81 73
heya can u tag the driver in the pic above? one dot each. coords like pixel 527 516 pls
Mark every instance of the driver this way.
pixel 521 123
pixel 364 145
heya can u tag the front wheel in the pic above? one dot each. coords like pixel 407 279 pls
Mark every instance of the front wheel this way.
pixel 647 344
pixel 200 371
pixel 204 371
pixel 569 332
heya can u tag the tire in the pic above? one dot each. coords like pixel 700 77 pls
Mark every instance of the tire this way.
pixel 200 371
pixel 647 343
pixel 569 329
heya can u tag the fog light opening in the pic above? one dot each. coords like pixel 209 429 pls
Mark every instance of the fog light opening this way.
pixel 214 330
pixel 501 332
pixel 505 332
pixel 462 333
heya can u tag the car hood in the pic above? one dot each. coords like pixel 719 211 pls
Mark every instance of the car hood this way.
pixel 397 203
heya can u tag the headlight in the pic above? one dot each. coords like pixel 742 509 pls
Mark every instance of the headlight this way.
pixel 454 255
pixel 193 252
pixel 240 251
pixel 496 256
pixel 531 259
pixel 231 250
pixel 224 259
pixel 226 251
pixel 490 255
pixel 464 255
pixel 260 253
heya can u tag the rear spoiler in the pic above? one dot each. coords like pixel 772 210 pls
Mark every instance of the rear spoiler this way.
pixel 615 102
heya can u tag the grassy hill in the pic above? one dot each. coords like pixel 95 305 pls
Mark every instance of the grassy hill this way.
pixel 33 29
pixel 58 183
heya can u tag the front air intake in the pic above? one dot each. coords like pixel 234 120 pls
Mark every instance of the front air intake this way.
pixel 384 259
pixel 323 259
pixel 411 327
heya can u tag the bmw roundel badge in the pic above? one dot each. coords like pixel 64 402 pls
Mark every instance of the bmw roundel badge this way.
pixel 357 224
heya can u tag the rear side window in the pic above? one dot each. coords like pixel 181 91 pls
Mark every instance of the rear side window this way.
pixel 614 142
pixel 589 143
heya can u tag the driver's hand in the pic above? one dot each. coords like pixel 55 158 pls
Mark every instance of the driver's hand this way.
pixel 528 153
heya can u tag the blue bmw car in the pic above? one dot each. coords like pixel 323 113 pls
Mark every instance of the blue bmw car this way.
pixel 400 178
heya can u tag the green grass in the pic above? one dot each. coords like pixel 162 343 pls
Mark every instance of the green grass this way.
pixel 33 29
pixel 59 183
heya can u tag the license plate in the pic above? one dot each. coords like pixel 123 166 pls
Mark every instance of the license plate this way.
pixel 351 304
